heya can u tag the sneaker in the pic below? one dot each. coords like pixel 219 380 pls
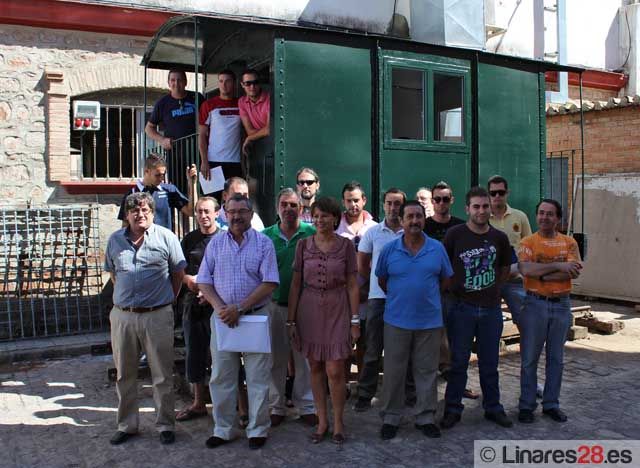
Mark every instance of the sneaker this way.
pixel 429 430
pixel 525 416
pixel 388 431
pixel 500 418
pixel 362 404
pixel 449 420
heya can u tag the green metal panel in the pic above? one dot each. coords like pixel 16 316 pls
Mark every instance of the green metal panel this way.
pixel 322 113
pixel 511 132
pixel 410 164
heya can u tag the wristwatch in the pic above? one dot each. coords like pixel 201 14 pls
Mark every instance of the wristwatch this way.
pixel 240 309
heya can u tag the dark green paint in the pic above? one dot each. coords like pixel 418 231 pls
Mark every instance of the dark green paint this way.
pixel 511 132
pixel 322 114
pixel 411 164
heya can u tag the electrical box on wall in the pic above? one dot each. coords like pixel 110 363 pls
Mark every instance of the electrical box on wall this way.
pixel 86 115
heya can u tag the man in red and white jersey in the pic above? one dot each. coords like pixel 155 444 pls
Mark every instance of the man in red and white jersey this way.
pixel 221 130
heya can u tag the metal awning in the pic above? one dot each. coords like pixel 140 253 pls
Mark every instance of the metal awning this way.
pixel 185 41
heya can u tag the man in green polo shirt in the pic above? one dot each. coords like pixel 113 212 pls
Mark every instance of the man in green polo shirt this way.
pixel 285 235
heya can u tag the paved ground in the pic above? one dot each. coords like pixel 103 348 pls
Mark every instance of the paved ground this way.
pixel 60 413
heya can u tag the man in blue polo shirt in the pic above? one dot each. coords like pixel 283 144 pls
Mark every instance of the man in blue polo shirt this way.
pixel 411 270
pixel 166 196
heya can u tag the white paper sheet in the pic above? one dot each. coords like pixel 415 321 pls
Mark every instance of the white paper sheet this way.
pixel 215 182
pixel 251 335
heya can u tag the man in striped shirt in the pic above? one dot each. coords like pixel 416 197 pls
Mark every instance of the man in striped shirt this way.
pixel 238 274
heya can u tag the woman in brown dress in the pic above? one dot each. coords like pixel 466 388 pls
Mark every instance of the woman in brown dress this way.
pixel 323 311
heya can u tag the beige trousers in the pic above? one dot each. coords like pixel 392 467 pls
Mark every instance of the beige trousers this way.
pixel 151 333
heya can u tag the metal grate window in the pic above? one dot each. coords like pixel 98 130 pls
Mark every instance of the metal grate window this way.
pixel 116 150
pixel 51 272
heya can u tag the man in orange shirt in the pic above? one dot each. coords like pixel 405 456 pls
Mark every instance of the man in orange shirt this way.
pixel 548 261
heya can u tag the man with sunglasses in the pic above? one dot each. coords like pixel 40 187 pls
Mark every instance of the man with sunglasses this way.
pixel 436 226
pixel 515 224
pixel 255 109
pixel 307 186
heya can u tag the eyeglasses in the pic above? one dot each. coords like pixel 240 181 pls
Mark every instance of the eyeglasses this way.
pixel 250 83
pixel 144 211
pixel 495 193
pixel 441 199
pixel 242 211
pixel 306 182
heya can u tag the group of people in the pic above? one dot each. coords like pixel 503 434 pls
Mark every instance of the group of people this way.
pixel 227 125
pixel 422 288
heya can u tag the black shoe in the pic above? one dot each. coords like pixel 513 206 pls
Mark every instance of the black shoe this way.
pixel 556 414
pixel 500 418
pixel 167 437
pixel 120 437
pixel 213 442
pixel 525 416
pixel 256 442
pixel 362 404
pixel 429 430
pixel 449 420
pixel 388 431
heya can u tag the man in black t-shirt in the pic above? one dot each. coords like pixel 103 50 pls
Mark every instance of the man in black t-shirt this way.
pixel 436 227
pixel 196 316
pixel 175 112
pixel 480 256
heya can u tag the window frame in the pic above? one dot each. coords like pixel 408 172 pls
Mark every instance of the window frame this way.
pixel 428 65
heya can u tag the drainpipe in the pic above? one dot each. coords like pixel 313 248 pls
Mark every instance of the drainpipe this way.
pixel 562 95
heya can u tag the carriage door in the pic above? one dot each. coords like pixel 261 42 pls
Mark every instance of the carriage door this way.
pixel 425 123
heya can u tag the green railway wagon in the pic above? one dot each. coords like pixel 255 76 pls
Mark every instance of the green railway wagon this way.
pixel 385 111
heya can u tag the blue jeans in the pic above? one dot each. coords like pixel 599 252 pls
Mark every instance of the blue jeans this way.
pixel 513 294
pixel 464 322
pixel 542 322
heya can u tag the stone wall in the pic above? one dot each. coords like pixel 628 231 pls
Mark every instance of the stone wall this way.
pixel 41 70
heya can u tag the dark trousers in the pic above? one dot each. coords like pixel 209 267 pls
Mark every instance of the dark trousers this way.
pixel 197 336
pixel 464 323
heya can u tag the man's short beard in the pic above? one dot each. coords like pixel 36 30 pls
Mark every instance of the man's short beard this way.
pixel 307 197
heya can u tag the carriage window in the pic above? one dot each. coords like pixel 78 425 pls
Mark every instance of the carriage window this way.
pixel 407 104
pixel 448 97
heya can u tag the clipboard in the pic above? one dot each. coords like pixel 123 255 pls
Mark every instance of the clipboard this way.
pixel 215 182
pixel 251 335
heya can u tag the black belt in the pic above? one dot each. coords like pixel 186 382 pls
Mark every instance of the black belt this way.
pixel 142 310
pixel 547 298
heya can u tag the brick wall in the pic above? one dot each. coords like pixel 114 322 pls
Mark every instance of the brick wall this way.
pixel 611 143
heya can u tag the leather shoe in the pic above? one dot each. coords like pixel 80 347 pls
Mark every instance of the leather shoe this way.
pixel 429 430
pixel 309 419
pixel 500 418
pixel 120 437
pixel 449 420
pixel 526 416
pixel 362 404
pixel 388 431
pixel 256 442
pixel 167 437
pixel 213 442
pixel 276 419
pixel 556 414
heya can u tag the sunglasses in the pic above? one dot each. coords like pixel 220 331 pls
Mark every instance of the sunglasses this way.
pixel 441 199
pixel 495 193
pixel 250 83
pixel 308 183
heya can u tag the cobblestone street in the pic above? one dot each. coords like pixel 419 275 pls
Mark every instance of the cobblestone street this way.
pixel 61 413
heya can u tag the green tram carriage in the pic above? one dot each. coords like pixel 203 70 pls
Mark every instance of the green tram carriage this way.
pixel 377 109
